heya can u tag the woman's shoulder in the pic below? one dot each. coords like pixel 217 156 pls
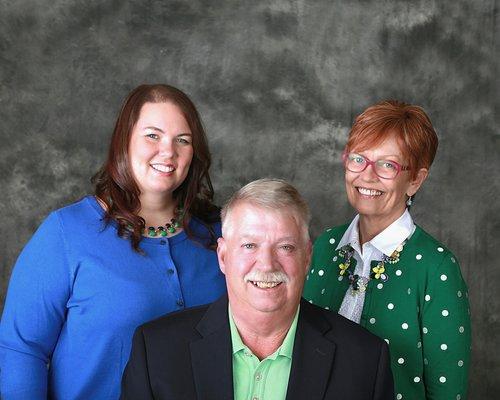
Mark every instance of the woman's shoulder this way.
pixel 331 235
pixel 423 241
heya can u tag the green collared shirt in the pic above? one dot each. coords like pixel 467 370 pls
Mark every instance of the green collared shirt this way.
pixel 266 379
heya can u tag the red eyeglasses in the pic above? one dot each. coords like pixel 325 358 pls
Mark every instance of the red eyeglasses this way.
pixel 385 169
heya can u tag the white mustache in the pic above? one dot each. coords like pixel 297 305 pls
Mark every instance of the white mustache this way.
pixel 260 276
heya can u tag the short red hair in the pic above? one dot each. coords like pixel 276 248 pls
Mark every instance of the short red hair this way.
pixel 408 123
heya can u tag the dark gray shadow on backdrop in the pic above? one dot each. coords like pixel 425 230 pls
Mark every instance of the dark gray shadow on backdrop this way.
pixel 278 84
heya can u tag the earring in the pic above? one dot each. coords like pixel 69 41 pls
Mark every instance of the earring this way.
pixel 409 202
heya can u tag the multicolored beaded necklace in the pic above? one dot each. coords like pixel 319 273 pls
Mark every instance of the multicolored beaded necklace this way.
pixel 169 228
pixel 359 283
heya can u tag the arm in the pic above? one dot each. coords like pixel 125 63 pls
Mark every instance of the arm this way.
pixel 34 313
pixel 135 380
pixel 445 324
pixel 384 385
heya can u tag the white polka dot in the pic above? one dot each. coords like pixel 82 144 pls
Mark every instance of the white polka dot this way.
pixel 387 341
pixel 453 260
pixel 372 320
pixel 310 301
pixel 398 272
pixel 427 297
pixel 425 330
pixel 459 293
pixel 321 272
pixel 332 241
pixel 401 360
pixel 445 313
pixel 380 286
pixel 323 291
pixel 418 256
pixel 312 271
pixel 416 379
pixel 460 363
pixel 340 278
pixel 329 229
pixel 461 329
pixel 307 277
pixel 404 325
pixel 443 277
pixel 419 344
pixel 327 308
pixel 334 258
pixel 399 396
pixel 409 291
pixel 440 249
pixel 444 346
pixel 442 379
pixel 426 362
pixel 459 397
pixel 390 306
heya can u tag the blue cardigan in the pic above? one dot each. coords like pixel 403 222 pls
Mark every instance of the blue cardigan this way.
pixel 76 295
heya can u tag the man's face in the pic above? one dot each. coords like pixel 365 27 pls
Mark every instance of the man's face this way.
pixel 265 256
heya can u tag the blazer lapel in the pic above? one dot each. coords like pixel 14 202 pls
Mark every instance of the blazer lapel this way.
pixel 211 356
pixel 312 358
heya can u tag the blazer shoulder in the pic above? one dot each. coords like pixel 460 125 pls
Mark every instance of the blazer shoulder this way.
pixel 178 321
pixel 340 329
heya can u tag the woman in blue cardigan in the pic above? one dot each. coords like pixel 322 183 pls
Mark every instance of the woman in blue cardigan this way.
pixel 141 247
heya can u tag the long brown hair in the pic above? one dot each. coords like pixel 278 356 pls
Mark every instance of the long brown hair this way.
pixel 116 187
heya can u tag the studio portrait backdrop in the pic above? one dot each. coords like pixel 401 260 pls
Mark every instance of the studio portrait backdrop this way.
pixel 278 85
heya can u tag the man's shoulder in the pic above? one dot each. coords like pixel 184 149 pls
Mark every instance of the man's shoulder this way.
pixel 184 321
pixel 338 328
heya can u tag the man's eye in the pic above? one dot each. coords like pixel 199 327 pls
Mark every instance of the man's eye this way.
pixel 248 246
pixel 288 247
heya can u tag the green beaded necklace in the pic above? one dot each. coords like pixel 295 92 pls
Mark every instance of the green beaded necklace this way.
pixel 169 228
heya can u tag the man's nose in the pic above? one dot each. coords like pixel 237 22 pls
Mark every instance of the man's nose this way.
pixel 266 259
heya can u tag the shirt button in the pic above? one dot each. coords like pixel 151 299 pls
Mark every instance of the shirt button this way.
pixel 255 398
pixel 258 377
pixel 180 303
pixel 170 271
pixel 163 241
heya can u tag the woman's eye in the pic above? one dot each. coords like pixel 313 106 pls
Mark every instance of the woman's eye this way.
pixel 388 164
pixel 152 135
pixel 357 158
pixel 183 141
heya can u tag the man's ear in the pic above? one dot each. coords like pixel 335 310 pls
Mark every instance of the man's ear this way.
pixel 221 254
pixel 417 182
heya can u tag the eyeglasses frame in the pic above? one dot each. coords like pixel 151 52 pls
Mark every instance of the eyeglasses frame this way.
pixel 399 167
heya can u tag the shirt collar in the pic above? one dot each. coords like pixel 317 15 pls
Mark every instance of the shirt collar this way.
pixel 386 241
pixel 286 348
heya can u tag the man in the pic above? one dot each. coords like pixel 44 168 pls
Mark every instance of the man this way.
pixel 261 342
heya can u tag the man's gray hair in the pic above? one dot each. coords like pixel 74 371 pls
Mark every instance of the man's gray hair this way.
pixel 273 194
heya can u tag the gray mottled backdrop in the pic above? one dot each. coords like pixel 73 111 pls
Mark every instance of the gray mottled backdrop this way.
pixel 278 84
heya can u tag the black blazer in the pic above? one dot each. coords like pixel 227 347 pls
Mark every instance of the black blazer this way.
pixel 188 355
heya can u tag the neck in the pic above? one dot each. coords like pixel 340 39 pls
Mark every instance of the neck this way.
pixel 262 332
pixel 157 210
pixel 371 226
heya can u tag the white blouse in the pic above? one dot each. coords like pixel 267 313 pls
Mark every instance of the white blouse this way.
pixel 384 243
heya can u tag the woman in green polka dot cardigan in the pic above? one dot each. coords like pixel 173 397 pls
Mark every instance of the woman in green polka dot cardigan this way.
pixel 384 272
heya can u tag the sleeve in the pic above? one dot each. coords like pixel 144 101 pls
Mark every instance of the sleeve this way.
pixel 446 332
pixel 135 380
pixel 34 313
pixel 384 385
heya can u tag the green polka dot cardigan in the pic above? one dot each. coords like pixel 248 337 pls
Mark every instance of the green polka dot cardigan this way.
pixel 421 310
